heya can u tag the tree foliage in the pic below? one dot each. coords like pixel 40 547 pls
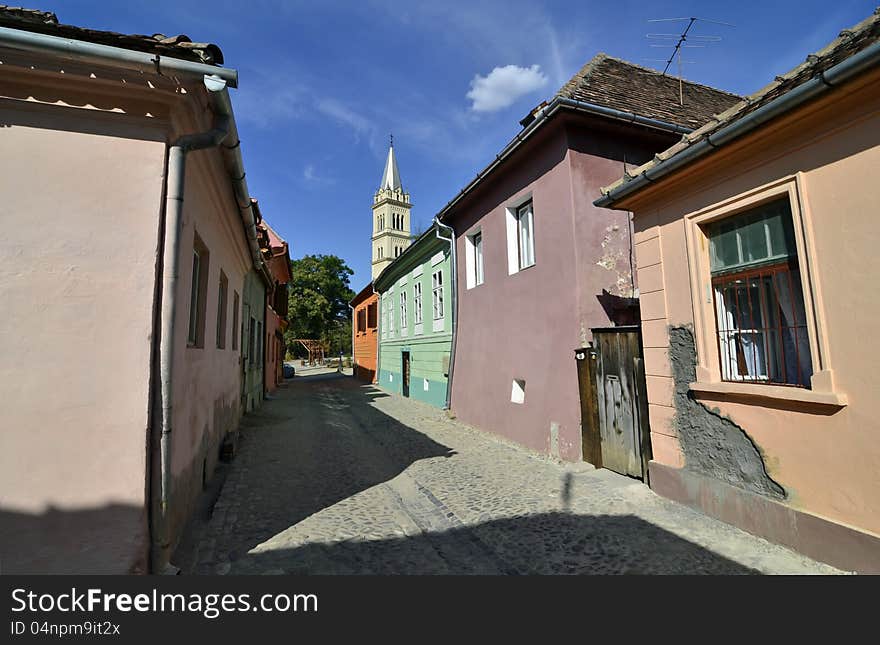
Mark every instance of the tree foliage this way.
pixel 318 297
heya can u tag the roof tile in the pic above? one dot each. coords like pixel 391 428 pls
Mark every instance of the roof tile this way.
pixel 624 86
pixel 46 22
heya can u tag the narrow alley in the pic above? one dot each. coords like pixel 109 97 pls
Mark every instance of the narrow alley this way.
pixel 336 477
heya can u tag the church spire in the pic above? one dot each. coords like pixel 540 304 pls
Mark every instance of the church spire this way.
pixel 391 176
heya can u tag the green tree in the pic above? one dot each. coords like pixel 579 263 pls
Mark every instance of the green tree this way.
pixel 318 297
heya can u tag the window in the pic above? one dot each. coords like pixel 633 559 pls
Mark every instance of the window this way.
pixel 235 320
pixel 194 298
pixel 361 321
pixel 260 347
pixel 520 236
pixel 221 311
pixel 371 316
pixel 417 303
pixel 760 317
pixel 474 259
pixel 198 293
pixel 437 294
pixel 525 241
pixel 403 310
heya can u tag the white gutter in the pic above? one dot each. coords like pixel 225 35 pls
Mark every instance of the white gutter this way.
pixel 85 52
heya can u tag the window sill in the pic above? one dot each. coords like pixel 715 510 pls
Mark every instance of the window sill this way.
pixel 753 392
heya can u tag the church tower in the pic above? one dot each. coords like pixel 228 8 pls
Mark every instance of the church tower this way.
pixel 391 224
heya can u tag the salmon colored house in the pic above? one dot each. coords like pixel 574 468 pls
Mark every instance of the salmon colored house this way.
pixel 757 250
pixel 364 331
pixel 128 247
pixel 276 255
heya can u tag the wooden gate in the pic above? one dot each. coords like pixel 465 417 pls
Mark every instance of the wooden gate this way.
pixel 614 401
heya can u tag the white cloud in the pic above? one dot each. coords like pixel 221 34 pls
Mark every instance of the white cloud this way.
pixel 311 177
pixel 504 85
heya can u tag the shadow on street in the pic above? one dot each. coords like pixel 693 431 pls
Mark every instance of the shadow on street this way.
pixel 549 543
pixel 312 445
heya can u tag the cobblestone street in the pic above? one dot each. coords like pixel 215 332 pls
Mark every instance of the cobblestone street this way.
pixel 336 477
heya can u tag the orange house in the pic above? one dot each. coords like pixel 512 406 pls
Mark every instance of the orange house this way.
pixel 364 333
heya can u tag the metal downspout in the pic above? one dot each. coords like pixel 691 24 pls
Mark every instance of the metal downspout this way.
pixel 235 167
pixel 170 273
pixel 454 283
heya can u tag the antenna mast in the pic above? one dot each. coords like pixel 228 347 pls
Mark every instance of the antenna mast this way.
pixel 682 42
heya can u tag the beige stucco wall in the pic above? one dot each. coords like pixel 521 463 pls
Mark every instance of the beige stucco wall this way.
pixel 827 458
pixel 77 263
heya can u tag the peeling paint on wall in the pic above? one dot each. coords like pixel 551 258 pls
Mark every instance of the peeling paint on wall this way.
pixel 615 258
pixel 713 444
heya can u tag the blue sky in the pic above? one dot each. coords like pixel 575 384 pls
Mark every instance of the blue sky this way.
pixel 323 83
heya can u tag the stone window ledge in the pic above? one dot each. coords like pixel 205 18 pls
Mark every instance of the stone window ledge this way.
pixel 780 394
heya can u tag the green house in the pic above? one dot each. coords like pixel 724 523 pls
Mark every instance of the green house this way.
pixel 415 322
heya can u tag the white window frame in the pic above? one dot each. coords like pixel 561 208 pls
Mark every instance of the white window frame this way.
pixel 520 218
pixel 417 304
pixel 437 300
pixel 403 321
pixel 473 259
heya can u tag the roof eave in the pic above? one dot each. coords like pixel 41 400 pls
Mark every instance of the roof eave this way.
pixel 543 117
pixel 818 85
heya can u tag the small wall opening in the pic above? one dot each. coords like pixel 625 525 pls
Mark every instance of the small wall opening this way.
pixel 518 391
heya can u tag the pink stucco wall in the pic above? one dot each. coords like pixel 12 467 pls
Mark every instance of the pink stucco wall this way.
pixel 207 380
pixel 527 325
pixel 826 457
pixel 78 263
pixel 77 268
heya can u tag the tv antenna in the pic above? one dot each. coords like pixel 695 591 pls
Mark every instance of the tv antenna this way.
pixel 682 40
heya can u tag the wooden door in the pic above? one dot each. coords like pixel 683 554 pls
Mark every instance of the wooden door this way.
pixel 405 371
pixel 619 398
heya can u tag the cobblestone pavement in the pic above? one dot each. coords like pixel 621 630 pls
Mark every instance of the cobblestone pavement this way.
pixel 335 477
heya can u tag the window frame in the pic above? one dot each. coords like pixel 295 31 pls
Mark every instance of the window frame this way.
pixel 527 209
pixel 437 296
pixel 417 303
pixel 222 307
pixel 708 369
pixel 475 275
pixel 201 269
pixel 403 311
pixel 513 216
pixel 235 307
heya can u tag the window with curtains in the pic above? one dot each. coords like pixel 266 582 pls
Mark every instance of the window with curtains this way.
pixel 760 318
